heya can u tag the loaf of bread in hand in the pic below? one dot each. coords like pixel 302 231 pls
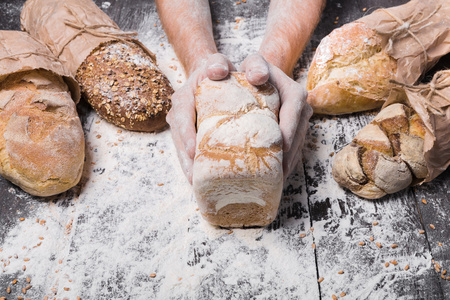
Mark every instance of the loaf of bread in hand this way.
pixel 386 156
pixel 124 86
pixel 41 138
pixel 350 71
pixel 237 172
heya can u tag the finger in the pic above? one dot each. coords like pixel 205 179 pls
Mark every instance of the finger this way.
pixel 256 69
pixel 293 104
pixel 218 67
pixel 181 119
pixel 186 162
pixel 291 158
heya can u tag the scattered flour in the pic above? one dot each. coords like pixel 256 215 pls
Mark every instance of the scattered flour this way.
pixel 134 215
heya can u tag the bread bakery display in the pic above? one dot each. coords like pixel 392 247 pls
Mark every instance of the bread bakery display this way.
pixel 407 142
pixel 353 65
pixel 41 138
pixel 118 75
pixel 237 172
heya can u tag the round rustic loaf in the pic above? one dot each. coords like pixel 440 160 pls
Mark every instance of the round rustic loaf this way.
pixel 386 156
pixel 237 172
pixel 350 72
pixel 124 86
pixel 41 138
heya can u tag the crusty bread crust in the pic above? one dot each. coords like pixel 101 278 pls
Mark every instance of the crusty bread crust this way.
pixel 238 176
pixel 350 72
pixel 386 156
pixel 41 138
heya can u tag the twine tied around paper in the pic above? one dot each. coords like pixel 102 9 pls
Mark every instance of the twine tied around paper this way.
pixel 93 30
pixel 432 88
pixel 406 27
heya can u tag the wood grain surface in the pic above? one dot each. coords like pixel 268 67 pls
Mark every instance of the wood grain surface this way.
pixel 107 239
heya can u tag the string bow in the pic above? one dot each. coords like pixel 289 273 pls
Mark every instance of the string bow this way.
pixel 94 30
pixel 435 86
pixel 409 26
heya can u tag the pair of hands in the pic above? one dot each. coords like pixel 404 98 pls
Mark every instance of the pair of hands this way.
pixel 293 116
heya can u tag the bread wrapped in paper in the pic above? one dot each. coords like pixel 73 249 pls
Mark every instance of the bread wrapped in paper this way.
pixel 41 138
pixel 407 142
pixel 117 74
pixel 353 65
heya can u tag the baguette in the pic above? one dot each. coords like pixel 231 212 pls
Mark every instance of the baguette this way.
pixel 237 172
pixel 386 156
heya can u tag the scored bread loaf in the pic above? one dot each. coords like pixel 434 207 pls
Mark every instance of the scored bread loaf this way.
pixel 118 75
pixel 353 65
pixel 350 71
pixel 237 172
pixel 41 138
pixel 386 156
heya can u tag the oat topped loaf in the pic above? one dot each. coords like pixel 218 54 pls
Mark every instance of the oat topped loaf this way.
pixel 118 75
pixel 122 84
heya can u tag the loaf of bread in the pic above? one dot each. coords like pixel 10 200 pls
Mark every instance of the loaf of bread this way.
pixel 386 156
pixel 124 86
pixel 350 71
pixel 118 75
pixel 237 172
pixel 41 138
pixel 353 65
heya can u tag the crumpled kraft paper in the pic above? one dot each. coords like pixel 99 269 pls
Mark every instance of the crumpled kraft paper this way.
pixel 416 34
pixel 432 103
pixel 20 52
pixel 72 29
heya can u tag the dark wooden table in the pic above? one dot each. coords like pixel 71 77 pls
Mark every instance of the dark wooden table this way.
pixel 131 230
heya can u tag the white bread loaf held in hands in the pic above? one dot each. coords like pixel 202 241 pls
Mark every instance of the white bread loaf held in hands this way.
pixel 353 65
pixel 237 172
pixel 118 75
pixel 41 138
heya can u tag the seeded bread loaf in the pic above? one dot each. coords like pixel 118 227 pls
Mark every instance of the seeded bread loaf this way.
pixel 41 138
pixel 125 87
pixel 386 156
pixel 118 75
pixel 237 173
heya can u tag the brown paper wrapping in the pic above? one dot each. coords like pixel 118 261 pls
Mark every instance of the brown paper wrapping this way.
pixel 432 103
pixel 72 29
pixel 20 52
pixel 416 34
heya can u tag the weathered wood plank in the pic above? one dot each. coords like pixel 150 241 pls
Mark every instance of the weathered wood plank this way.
pixel 341 221
pixel 433 202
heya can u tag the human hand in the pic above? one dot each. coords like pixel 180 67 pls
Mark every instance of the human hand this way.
pixel 294 113
pixel 182 115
